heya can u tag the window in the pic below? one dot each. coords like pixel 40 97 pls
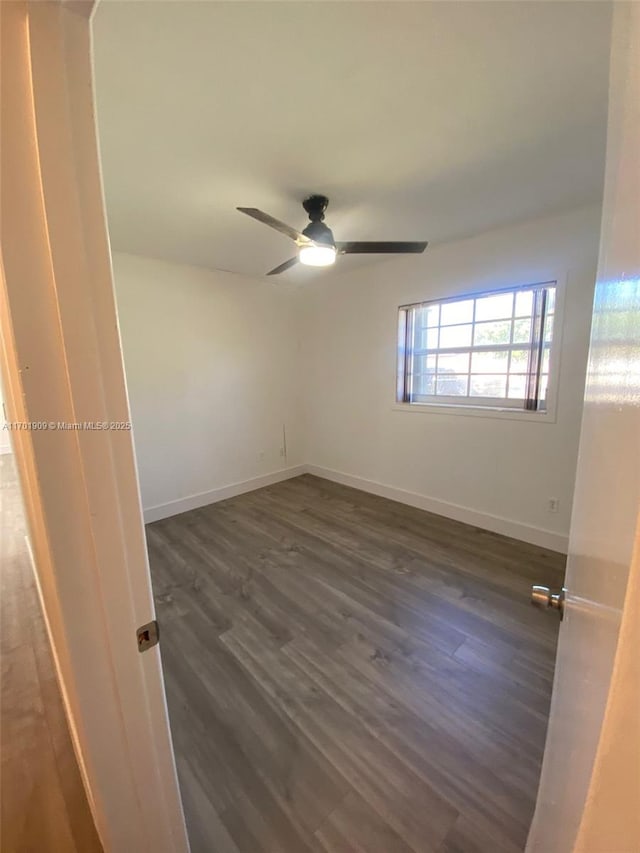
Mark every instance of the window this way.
pixel 488 349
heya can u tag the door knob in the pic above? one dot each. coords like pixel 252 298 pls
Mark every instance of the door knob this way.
pixel 542 597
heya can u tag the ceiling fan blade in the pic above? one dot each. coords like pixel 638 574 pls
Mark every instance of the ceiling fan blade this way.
pixel 282 227
pixel 283 267
pixel 379 247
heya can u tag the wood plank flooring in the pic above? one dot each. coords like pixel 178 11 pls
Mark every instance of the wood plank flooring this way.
pixel 43 802
pixel 345 673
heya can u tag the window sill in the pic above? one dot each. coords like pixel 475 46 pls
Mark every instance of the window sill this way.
pixel 476 412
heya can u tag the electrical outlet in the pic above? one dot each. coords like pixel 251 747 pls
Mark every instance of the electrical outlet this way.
pixel 553 504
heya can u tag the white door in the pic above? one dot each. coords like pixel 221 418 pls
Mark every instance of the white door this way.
pixel 589 796
pixel 63 376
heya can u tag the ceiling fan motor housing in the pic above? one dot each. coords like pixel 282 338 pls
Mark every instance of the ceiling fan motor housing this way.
pixel 315 205
pixel 319 233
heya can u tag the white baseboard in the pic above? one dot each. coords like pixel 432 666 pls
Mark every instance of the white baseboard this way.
pixel 495 523
pixel 155 513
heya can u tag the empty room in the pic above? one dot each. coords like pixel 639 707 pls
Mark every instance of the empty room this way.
pixel 354 255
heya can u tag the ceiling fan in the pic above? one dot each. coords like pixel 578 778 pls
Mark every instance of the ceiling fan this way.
pixel 316 245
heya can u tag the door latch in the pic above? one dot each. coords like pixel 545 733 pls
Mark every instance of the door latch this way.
pixel 148 636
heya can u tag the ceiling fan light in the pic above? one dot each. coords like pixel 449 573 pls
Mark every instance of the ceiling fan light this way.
pixel 317 256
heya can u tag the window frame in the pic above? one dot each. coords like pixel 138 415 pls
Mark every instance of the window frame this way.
pixel 496 407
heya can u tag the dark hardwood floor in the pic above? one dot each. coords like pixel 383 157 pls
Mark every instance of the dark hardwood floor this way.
pixel 345 673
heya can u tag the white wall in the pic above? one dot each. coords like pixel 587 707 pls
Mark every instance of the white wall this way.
pixel 500 472
pixel 211 376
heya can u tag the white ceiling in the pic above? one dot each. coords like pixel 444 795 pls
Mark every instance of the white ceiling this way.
pixel 419 120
